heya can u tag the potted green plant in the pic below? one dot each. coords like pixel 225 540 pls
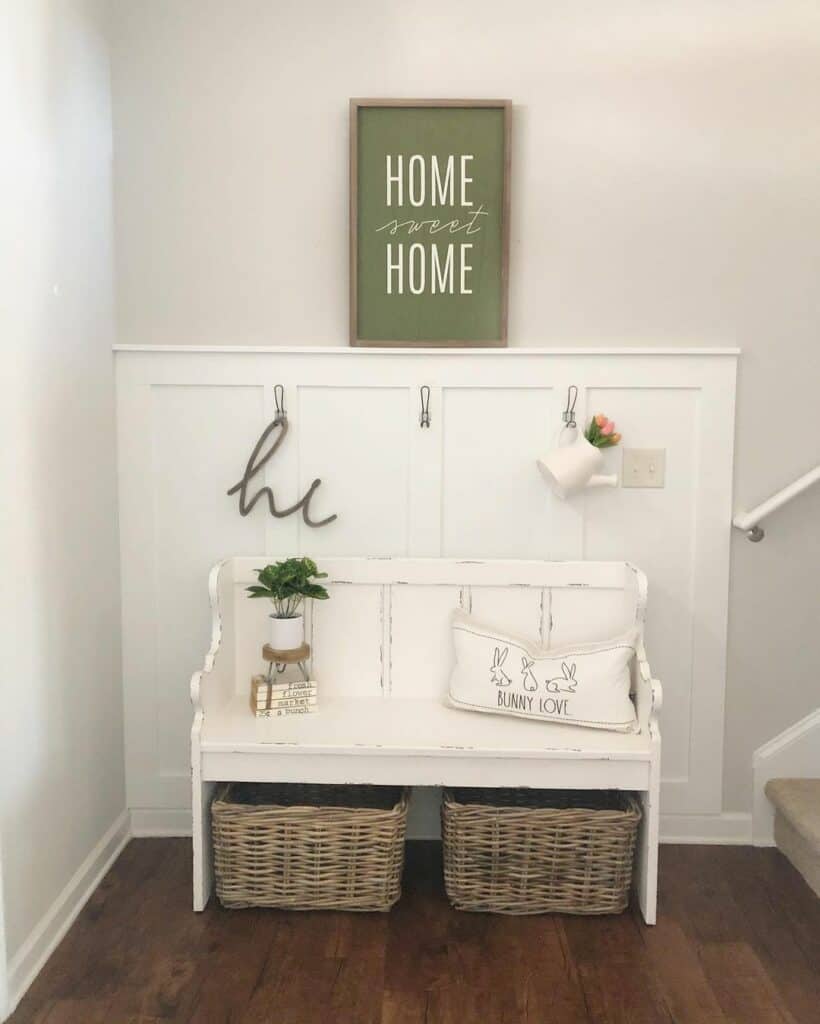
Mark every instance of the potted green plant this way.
pixel 287 584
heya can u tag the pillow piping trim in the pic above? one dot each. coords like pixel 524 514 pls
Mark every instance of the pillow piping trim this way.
pixel 546 654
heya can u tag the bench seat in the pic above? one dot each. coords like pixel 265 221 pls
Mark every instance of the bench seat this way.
pixel 413 742
pixel 382 655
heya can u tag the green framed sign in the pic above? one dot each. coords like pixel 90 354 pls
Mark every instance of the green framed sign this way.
pixel 429 222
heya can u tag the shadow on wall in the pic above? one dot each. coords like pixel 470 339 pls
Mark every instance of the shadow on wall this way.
pixel 63 772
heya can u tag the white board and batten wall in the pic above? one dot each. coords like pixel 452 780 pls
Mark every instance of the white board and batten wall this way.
pixel 467 486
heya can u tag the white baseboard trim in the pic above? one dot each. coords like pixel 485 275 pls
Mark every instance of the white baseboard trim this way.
pixel 160 822
pixel 48 933
pixel 729 828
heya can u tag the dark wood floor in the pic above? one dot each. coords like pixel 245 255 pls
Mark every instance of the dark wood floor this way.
pixel 738 939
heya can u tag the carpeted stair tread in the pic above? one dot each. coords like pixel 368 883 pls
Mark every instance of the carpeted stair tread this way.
pixel 798 800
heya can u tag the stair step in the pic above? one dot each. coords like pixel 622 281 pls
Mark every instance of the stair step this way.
pixel 798 801
pixel 797 824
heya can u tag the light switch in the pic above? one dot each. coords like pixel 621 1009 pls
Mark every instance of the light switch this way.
pixel 644 467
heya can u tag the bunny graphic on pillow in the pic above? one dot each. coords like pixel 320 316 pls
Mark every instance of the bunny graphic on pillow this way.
pixel 530 681
pixel 565 683
pixel 497 673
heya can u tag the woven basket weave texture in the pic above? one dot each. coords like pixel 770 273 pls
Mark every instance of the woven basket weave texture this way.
pixel 309 847
pixel 529 851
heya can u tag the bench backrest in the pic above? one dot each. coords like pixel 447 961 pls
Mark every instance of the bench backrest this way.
pixel 386 629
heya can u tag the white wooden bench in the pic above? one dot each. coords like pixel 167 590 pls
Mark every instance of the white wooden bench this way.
pixel 382 655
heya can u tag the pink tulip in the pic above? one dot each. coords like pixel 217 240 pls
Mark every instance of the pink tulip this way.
pixel 608 428
pixel 601 420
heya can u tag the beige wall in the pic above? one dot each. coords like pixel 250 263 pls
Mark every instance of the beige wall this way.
pixel 62 748
pixel 666 191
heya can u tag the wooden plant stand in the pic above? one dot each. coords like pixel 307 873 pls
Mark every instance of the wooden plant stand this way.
pixel 295 656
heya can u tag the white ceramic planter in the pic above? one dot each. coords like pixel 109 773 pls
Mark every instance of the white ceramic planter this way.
pixel 287 634
pixel 574 467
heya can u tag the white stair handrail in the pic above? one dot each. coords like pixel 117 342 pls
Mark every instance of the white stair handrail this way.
pixel 748 521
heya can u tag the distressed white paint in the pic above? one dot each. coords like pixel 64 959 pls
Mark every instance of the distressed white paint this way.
pixel 405 491
pixel 793 754
pixel 362 731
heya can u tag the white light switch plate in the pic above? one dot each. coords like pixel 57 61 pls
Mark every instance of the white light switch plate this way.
pixel 644 467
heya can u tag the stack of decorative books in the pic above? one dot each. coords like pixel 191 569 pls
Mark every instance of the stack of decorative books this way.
pixel 277 698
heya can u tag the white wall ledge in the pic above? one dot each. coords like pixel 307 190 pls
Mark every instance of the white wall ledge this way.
pixel 344 350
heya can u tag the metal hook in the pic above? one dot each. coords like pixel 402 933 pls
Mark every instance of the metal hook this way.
pixel 424 419
pixel 279 400
pixel 568 415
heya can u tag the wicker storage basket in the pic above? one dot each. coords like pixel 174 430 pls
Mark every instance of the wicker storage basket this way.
pixel 530 851
pixel 309 847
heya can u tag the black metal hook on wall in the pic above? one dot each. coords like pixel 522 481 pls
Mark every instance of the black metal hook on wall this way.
pixel 424 394
pixel 568 414
pixel 279 402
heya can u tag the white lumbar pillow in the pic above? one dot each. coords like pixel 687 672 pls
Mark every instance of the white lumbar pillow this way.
pixel 580 684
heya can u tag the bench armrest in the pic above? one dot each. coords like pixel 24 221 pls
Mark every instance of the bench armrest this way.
pixel 648 694
pixel 213 684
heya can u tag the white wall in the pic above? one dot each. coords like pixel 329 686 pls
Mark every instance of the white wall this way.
pixel 188 419
pixel 62 746
pixel 665 191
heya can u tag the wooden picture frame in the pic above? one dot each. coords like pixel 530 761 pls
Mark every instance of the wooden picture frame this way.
pixel 424 292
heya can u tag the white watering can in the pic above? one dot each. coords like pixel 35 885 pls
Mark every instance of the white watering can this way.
pixel 574 467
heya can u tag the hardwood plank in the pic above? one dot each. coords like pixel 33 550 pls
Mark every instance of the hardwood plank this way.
pixel 296 981
pixel 232 955
pixel 618 984
pixel 737 942
pixel 696 892
pixel 74 1011
pixel 796 899
pixel 88 963
pixel 614 996
pixel 781 947
pixel 675 962
pixel 485 979
pixel 416 955
pixel 742 986
pixel 360 953
pixel 508 968
pixel 153 950
pixel 416 951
